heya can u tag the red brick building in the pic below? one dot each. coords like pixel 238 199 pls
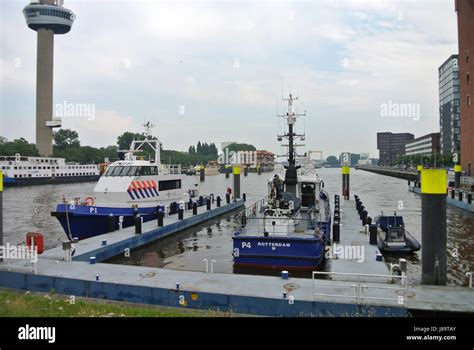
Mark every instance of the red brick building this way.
pixel 465 13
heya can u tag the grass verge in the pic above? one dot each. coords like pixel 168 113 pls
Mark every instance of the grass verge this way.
pixel 15 303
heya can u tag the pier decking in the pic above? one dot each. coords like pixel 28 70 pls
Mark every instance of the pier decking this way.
pixel 453 197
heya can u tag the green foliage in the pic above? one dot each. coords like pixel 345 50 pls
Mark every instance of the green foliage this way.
pixel 20 304
pixel 66 138
pixel 236 147
pixel 332 161
pixel 184 158
pixel 125 140
pixel 204 149
pixel 22 146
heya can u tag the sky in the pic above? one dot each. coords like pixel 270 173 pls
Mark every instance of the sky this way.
pixel 216 71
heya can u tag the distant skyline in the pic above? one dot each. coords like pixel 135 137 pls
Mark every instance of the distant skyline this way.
pixel 215 71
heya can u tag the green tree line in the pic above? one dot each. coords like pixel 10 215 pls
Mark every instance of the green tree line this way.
pixel 67 145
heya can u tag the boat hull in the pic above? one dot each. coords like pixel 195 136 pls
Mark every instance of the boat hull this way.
pixel 33 181
pixel 86 221
pixel 290 253
pixel 411 245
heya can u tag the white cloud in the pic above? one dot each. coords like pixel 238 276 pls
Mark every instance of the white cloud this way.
pixel 103 129
pixel 141 58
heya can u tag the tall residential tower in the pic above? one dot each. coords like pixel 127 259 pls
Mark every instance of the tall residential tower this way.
pixel 449 119
pixel 46 17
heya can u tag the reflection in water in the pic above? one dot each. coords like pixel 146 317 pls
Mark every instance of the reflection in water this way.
pixel 28 209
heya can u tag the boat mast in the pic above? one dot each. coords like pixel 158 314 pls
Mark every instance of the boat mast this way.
pixel 291 176
pixel 154 143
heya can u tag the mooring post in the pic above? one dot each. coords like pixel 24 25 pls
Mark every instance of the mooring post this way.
pixel 1 211
pixel 345 182
pixel 335 231
pixel 111 223
pixel 202 173
pixel 433 226
pixel 457 176
pixel 236 172
pixel 138 225
pixel 419 168
pixel 159 217
pixel 218 201
pixel 373 234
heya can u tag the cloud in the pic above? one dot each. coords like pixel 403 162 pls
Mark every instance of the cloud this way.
pixel 103 129
pixel 146 58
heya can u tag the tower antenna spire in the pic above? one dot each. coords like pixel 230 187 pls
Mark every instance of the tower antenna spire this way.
pixel 47 18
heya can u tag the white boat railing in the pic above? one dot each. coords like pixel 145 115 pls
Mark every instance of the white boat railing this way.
pixel 358 286
pixel 7 266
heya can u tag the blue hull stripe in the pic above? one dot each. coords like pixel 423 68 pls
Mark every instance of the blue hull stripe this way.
pixel 146 192
pixel 156 192
pixel 130 194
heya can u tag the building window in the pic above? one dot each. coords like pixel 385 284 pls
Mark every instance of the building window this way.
pixel 469 100
pixel 467 56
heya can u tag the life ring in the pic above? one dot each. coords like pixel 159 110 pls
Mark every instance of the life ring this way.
pixel 254 209
pixel 89 201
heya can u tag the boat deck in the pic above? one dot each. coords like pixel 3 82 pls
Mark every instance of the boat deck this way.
pixel 300 227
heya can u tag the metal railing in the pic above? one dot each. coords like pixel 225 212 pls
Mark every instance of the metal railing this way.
pixel 359 286
pixel 250 220
pixel 7 266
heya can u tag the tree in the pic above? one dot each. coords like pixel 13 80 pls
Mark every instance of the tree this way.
pixel 21 146
pixel 125 140
pixel 64 138
pixel 332 161
pixel 236 147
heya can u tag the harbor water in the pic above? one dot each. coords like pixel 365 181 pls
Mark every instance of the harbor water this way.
pixel 28 209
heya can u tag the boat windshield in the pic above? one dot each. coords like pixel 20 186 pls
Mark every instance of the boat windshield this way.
pixel 131 171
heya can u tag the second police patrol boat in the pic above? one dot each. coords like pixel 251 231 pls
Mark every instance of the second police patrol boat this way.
pixel 130 187
pixel 291 228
